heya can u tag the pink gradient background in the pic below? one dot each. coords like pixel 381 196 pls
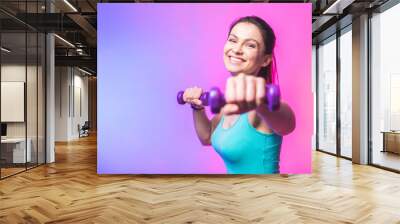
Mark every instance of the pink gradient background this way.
pixel 181 45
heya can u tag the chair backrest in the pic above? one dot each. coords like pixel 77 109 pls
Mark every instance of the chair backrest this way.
pixel 86 125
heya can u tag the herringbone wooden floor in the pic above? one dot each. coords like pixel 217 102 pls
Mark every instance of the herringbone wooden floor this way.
pixel 70 191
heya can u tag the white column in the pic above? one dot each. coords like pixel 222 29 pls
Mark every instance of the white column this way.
pixel 50 93
pixel 360 90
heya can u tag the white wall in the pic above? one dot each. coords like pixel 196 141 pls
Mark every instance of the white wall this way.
pixel 80 84
pixel 12 100
pixel 17 73
pixel 62 81
pixel 70 84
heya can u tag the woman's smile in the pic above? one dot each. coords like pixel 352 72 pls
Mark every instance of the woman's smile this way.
pixel 236 60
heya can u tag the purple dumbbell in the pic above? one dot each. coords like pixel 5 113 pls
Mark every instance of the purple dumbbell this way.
pixel 216 99
pixel 273 98
pixel 203 98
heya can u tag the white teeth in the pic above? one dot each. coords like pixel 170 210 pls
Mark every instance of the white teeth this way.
pixel 235 60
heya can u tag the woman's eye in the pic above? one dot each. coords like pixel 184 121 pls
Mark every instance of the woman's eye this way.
pixel 251 45
pixel 232 40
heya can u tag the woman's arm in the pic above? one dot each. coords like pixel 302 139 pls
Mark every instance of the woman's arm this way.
pixel 282 121
pixel 204 127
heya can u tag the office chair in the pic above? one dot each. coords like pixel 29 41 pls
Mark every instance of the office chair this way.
pixel 84 130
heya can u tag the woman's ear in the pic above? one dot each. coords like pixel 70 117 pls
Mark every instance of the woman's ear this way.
pixel 267 60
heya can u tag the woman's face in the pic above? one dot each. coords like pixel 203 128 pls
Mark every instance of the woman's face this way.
pixel 244 50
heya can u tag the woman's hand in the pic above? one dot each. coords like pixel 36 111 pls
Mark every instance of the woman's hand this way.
pixel 244 93
pixel 192 96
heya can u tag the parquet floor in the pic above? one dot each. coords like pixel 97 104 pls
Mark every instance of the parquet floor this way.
pixel 10 171
pixel 70 191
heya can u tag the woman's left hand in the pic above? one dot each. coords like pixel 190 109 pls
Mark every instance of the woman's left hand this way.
pixel 243 93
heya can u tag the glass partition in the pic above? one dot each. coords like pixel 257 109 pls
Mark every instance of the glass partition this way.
pixel 14 153
pixel 22 88
pixel 327 95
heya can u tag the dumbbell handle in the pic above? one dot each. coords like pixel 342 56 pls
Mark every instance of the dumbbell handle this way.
pixel 216 100
pixel 204 98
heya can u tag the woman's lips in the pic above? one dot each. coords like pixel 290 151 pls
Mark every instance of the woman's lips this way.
pixel 235 60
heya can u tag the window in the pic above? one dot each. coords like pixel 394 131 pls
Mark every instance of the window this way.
pixel 385 88
pixel 327 95
pixel 346 92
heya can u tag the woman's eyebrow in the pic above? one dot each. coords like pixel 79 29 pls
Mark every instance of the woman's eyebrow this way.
pixel 252 40
pixel 233 35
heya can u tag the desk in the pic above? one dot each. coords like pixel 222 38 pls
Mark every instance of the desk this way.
pixel 16 151
pixel 391 141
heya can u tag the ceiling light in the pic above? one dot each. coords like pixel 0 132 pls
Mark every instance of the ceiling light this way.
pixel 84 71
pixel 65 41
pixel 5 50
pixel 70 5
pixel 337 7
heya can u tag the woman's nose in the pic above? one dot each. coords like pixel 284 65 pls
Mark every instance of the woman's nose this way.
pixel 237 49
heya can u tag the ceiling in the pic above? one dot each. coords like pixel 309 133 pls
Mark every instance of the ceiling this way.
pixel 76 22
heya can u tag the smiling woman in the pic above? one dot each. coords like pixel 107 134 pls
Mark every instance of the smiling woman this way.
pixel 246 135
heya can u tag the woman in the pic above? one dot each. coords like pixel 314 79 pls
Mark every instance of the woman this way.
pixel 245 134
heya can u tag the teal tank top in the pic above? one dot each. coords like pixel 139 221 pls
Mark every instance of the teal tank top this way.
pixel 245 150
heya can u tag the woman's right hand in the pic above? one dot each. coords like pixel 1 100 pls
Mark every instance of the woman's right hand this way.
pixel 192 96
